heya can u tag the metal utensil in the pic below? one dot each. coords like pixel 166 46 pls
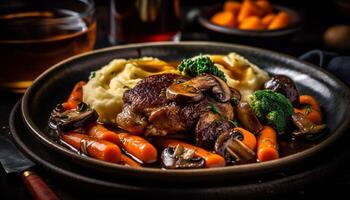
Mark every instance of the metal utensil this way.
pixel 13 161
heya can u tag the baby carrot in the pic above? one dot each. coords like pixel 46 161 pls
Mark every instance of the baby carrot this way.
pixel 100 132
pixel 138 147
pixel 268 19
pixel 99 149
pixel 265 6
pixel 135 145
pixel 267 145
pixel 224 18
pixel 281 20
pixel 309 100
pixel 248 138
pixel 129 162
pixel 211 159
pixel 252 23
pixel 75 97
pixel 312 109
pixel 249 8
pixel 232 6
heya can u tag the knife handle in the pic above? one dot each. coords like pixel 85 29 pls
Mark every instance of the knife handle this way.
pixel 37 187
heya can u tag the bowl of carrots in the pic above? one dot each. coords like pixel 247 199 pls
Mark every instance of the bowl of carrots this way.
pixel 250 18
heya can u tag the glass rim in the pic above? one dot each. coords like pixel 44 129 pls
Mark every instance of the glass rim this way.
pixel 89 11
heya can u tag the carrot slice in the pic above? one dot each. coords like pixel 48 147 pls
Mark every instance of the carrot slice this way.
pixel 99 149
pixel 135 145
pixel 249 8
pixel 75 97
pixel 268 19
pixel 312 109
pixel 100 132
pixel 265 6
pixel 281 20
pixel 252 23
pixel 248 138
pixel 138 147
pixel 129 162
pixel 267 145
pixel 211 159
pixel 224 18
pixel 232 6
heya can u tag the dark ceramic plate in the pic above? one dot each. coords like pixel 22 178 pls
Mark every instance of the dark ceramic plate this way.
pixel 53 86
pixel 86 182
pixel 207 12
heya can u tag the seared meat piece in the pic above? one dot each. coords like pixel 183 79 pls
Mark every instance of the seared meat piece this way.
pixel 165 120
pixel 212 124
pixel 131 121
pixel 163 115
pixel 149 93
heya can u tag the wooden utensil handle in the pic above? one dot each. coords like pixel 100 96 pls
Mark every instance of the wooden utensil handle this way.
pixel 37 187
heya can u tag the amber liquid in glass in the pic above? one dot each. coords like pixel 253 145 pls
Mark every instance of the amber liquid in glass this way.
pixel 30 42
pixel 144 20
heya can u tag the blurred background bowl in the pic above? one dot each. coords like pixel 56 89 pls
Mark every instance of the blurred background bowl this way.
pixel 262 38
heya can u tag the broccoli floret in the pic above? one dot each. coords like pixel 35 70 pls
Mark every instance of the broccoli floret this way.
pixel 199 65
pixel 272 108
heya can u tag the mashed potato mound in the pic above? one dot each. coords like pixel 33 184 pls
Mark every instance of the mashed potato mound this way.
pixel 105 89
pixel 240 73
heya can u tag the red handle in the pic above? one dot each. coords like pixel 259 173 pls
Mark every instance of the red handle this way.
pixel 37 187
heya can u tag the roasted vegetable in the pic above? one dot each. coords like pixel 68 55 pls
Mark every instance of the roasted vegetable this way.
pixel 310 108
pixel 284 85
pixel 236 145
pixel 247 117
pixel 192 90
pixel 181 158
pixel 68 120
pixel 211 159
pixel 200 65
pixel 306 126
pixel 272 108
pixel 125 160
pixel 75 97
pixel 132 144
pixel 99 149
pixel 267 145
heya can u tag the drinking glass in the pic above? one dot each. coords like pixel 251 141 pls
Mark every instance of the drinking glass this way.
pixel 35 35
pixel 144 20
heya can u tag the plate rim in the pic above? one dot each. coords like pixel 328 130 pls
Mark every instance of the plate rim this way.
pixel 196 173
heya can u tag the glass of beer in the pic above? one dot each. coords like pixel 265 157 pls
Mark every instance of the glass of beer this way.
pixel 35 35
pixel 144 21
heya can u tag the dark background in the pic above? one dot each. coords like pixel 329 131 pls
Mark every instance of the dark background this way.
pixel 318 15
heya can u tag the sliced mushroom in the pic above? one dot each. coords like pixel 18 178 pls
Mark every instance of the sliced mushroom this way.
pixel 306 126
pixel 221 90
pixel 192 90
pixel 284 85
pixel 247 118
pixel 181 158
pixel 231 147
pixel 67 120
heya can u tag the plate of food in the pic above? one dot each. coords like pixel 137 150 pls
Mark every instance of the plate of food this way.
pixel 247 18
pixel 187 111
